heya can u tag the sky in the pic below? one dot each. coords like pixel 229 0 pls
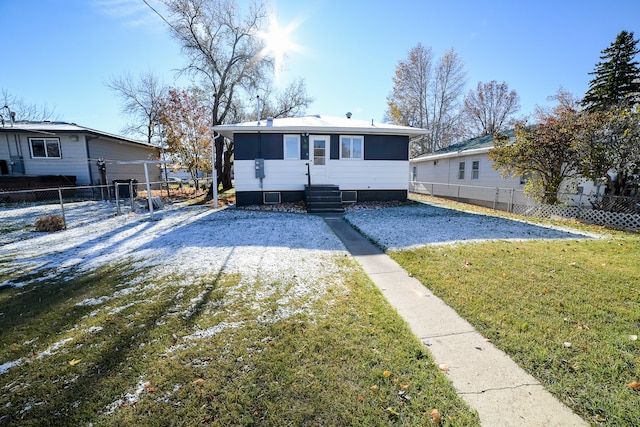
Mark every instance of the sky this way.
pixel 63 53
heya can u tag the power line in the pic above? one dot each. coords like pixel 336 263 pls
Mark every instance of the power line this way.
pixel 160 15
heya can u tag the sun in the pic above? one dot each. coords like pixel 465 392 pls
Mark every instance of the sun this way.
pixel 278 43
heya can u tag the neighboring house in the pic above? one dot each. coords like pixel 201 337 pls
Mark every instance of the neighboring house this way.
pixel 461 169
pixel 464 163
pixel 66 152
pixel 277 159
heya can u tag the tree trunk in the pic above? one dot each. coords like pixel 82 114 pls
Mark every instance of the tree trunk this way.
pixel 226 171
pixel 219 149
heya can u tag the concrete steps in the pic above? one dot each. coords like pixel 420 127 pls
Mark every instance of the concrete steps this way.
pixel 323 198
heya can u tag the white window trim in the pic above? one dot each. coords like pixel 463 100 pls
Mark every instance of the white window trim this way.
pixel 351 137
pixel 46 152
pixel 461 169
pixel 475 172
pixel 284 147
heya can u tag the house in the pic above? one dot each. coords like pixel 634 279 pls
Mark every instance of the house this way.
pixel 334 160
pixel 464 163
pixel 465 172
pixel 48 154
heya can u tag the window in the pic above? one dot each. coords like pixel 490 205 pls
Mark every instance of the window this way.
pixel 45 148
pixel 414 174
pixel 475 169
pixel 292 147
pixel 351 147
pixel 461 170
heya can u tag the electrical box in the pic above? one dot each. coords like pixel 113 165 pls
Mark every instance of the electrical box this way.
pixel 260 168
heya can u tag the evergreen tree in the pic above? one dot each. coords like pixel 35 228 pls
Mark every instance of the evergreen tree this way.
pixel 617 77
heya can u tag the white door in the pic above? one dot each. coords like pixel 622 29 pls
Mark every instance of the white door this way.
pixel 318 158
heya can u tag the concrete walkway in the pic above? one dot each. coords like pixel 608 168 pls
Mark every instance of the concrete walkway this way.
pixel 485 377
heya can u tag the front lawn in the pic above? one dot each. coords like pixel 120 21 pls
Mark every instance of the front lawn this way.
pixel 205 318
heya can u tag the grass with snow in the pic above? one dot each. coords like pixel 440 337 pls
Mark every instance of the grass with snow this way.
pixel 214 318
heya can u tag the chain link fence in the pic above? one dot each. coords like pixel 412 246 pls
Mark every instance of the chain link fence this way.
pixel 611 211
pixel 52 209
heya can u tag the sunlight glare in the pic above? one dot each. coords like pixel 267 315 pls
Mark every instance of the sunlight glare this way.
pixel 278 42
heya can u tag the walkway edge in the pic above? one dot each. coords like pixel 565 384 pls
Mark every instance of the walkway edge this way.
pixel 485 377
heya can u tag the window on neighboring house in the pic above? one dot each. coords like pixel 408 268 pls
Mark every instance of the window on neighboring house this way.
pixel 45 148
pixel 292 147
pixel 351 147
pixel 475 169
pixel 414 174
pixel 461 170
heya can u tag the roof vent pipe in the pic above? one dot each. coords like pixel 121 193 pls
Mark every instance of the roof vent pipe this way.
pixel 258 101
pixel 349 115
pixel 269 121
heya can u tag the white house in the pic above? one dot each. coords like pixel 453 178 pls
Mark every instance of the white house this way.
pixel 277 160
pixel 464 171
pixel 69 153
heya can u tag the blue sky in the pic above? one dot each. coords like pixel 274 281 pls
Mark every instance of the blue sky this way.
pixel 63 52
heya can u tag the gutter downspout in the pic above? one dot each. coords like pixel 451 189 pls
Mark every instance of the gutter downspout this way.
pixel 214 171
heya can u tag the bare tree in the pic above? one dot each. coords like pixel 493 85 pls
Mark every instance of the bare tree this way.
pixel 408 103
pixel 487 109
pixel 449 82
pixel 223 51
pixel 141 103
pixel 291 102
pixel 24 110
pixel 427 96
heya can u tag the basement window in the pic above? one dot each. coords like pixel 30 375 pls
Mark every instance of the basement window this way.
pixel 45 148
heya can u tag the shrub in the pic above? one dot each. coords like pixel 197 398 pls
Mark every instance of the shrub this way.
pixel 50 223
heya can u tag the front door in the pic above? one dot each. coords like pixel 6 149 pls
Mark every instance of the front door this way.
pixel 319 145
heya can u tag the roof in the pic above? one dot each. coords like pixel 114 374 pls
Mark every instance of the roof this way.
pixel 54 128
pixel 481 144
pixel 317 124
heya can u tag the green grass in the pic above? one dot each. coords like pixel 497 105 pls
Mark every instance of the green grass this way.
pixel 344 359
pixel 566 311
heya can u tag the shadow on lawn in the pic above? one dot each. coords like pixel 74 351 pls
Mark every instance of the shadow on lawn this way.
pixel 112 359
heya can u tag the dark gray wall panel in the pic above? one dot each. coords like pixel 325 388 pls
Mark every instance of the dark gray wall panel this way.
pixel 258 146
pixel 386 147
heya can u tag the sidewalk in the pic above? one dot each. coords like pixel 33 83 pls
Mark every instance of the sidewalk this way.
pixel 485 377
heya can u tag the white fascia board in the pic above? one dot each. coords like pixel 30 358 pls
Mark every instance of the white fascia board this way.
pixel 318 125
pixel 453 154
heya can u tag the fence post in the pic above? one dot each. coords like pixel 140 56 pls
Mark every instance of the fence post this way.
pixel 511 200
pixel 458 196
pixel 146 176
pixel 432 195
pixel 495 200
pixel 64 218
pixel 133 207
pixel 117 191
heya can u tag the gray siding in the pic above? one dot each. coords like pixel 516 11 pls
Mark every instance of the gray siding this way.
pixel 73 160
pixel 112 151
